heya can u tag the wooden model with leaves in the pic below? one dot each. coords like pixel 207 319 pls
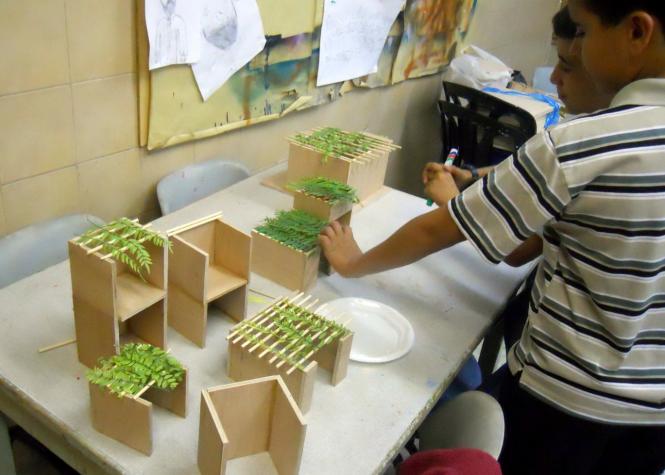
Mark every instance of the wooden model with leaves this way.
pixel 247 418
pixel 285 248
pixel 209 264
pixel 324 198
pixel 118 274
pixel 290 340
pixel 124 387
pixel 358 159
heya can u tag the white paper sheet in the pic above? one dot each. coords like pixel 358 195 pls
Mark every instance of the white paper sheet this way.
pixel 232 35
pixel 352 37
pixel 174 31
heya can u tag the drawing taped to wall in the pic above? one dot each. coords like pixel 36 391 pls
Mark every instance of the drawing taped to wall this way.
pixel 220 24
pixel 173 32
pixel 233 31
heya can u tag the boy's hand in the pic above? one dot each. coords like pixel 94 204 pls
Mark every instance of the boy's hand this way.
pixel 462 177
pixel 340 248
pixel 440 184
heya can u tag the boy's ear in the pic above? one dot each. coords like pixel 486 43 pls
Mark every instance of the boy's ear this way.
pixel 642 28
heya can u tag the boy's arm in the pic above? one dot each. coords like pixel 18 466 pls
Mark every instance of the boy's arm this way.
pixel 418 238
pixel 528 251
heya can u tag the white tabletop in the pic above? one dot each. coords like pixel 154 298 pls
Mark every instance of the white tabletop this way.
pixel 353 428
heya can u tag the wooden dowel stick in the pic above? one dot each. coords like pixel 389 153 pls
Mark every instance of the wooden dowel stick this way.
pixel 265 340
pixel 281 302
pixel 57 345
pixel 263 353
pixel 97 248
pixel 144 389
pixel 193 224
pixel 91 236
pixel 258 292
pixel 258 333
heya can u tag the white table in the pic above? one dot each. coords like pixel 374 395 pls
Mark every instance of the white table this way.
pixel 354 428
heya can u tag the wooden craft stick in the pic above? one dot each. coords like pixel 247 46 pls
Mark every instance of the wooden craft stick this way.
pixel 271 347
pixel 258 292
pixel 91 236
pixel 97 248
pixel 265 340
pixel 57 345
pixel 144 389
pixel 192 224
pixel 281 301
pixel 308 147
pixel 270 315
pixel 258 332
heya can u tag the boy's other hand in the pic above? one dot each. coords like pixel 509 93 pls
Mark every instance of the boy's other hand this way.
pixel 340 248
pixel 462 177
pixel 440 185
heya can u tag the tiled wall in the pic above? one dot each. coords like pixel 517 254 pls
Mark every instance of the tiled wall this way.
pixel 68 111
pixel 519 32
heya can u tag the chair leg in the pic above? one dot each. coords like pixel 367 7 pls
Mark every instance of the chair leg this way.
pixel 6 454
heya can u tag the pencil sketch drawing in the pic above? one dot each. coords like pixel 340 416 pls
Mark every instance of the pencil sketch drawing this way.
pixel 220 24
pixel 171 44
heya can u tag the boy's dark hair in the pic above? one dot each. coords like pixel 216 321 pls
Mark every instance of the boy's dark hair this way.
pixel 563 25
pixel 611 12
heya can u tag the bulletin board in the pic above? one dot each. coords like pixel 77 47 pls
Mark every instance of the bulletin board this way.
pixel 282 78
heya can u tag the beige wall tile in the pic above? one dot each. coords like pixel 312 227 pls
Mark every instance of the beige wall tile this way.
pixel 36 133
pixel 101 38
pixel 41 197
pixel 105 116
pixel 3 224
pixel 34 45
pixel 111 186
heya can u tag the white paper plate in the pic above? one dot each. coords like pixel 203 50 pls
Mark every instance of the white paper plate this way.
pixel 381 333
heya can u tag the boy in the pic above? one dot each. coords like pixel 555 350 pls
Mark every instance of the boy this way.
pixel 587 389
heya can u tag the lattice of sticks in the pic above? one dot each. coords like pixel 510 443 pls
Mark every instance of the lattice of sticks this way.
pixel 288 332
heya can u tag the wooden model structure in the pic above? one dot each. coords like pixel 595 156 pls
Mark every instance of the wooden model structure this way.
pixel 247 418
pixel 326 199
pixel 285 249
pixel 358 159
pixel 112 301
pixel 289 340
pixel 126 415
pixel 209 264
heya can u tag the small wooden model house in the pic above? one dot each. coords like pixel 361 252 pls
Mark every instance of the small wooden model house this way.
pixel 248 418
pixel 326 199
pixel 209 264
pixel 358 159
pixel 289 340
pixel 285 249
pixel 118 274
pixel 124 388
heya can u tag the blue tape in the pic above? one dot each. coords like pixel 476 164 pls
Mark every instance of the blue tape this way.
pixel 551 119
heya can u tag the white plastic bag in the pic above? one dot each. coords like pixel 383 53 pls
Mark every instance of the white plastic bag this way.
pixel 477 68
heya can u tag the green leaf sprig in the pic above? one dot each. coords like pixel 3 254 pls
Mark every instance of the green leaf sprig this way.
pixel 123 240
pixel 137 365
pixel 296 229
pixel 331 191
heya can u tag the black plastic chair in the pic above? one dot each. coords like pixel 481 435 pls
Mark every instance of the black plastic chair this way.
pixel 472 121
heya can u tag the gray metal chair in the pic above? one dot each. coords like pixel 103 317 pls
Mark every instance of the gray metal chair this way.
pixel 471 420
pixel 41 245
pixel 197 181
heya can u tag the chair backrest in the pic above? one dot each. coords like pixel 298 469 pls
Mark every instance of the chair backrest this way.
pixel 36 247
pixel 197 181
pixel 472 121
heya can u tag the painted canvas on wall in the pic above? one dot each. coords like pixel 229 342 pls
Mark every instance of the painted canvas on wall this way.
pixel 282 77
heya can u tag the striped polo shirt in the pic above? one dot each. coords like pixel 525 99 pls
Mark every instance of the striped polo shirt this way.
pixel 594 188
